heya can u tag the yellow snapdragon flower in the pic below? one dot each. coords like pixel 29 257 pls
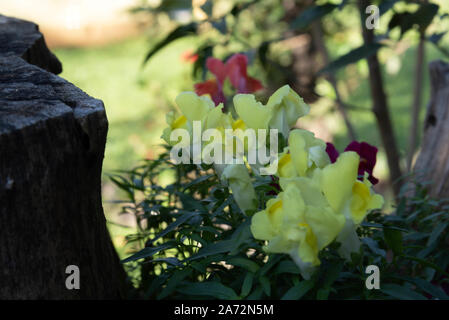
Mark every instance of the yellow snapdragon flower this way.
pixel 297 222
pixel 304 153
pixel 348 197
pixel 282 111
pixel 287 106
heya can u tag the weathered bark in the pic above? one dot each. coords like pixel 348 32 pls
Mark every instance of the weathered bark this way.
pixel 52 139
pixel 432 164
pixel 380 105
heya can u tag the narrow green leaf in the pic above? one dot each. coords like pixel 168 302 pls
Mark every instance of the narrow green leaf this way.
pixel 247 284
pixel 400 292
pixel 173 282
pixel 244 263
pixel 182 219
pixel 287 267
pixel 214 248
pixel 179 32
pixel 266 285
pixel 310 15
pixel 209 289
pixel 149 251
pixel 197 181
pixel 436 233
pixel 298 291
pixel 393 238
pixel 362 52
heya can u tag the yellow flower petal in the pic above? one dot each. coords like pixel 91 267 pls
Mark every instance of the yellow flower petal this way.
pixel 287 106
pixel 254 114
pixel 194 108
pixel 337 180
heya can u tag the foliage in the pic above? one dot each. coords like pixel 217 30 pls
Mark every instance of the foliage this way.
pixel 196 244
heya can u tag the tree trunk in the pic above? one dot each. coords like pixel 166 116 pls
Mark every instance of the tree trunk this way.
pixel 380 105
pixel 432 165
pixel 52 139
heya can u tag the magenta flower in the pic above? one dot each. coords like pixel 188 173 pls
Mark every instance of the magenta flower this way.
pixel 332 152
pixel 367 155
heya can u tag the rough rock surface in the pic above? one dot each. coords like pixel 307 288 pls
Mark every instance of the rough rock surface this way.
pixel 52 139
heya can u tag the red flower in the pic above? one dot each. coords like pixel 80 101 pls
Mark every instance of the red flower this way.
pixel 367 155
pixel 213 88
pixel 235 70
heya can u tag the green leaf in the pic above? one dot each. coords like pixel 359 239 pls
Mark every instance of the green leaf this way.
pixel 362 52
pixel 247 284
pixel 209 289
pixel 426 263
pixel 272 261
pixel 436 37
pixel 434 215
pixel 244 263
pixel 171 5
pixel 171 260
pixel 179 32
pixel 374 246
pixel 207 7
pixel 266 285
pixel 429 288
pixel 220 25
pixel 214 248
pixel 149 251
pixel 298 291
pixel 332 274
pixel 311 14
pixel 241 235
pixel 393 238
pixel 287 267
pixel 425 14
pixel 400 292
pixel 381 226
pixel 386 5
pixel 256 294
pixel 197 181
pixel 182 219
pixel 436 233
pixel 173 282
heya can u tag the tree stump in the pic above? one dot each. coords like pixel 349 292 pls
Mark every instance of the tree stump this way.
pixel 432 164
pixel 52 140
